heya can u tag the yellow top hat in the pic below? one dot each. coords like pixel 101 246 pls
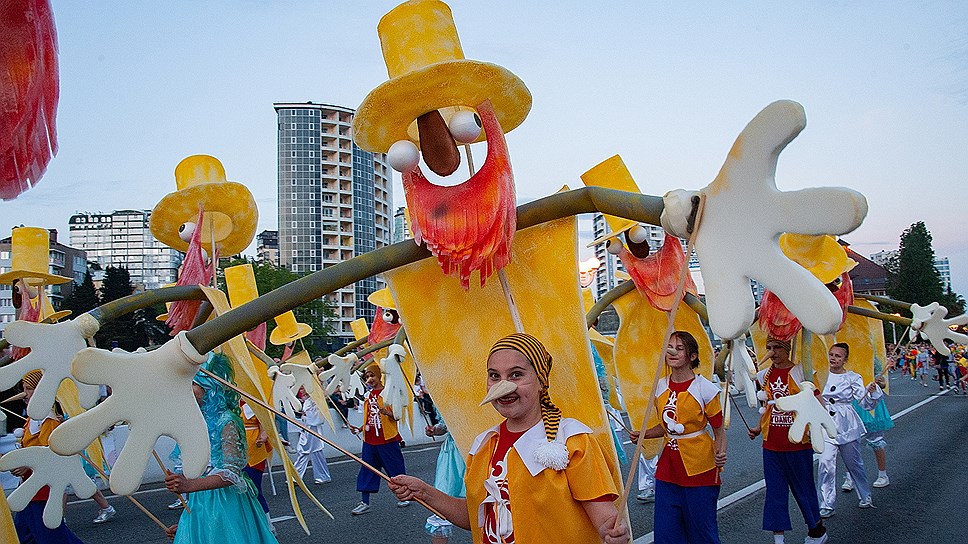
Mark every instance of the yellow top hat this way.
pixel 428 72
pixel 360 329
pixel 230 211
pixel 240 283
pixel 622 275
pixel 612 174
pixel 30 258
pixel 288 329
pixel 821 255
pixel 382 298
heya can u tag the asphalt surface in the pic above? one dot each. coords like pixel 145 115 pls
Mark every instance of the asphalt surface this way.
pixel 924 503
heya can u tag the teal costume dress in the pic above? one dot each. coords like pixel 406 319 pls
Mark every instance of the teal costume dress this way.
pixel 231 513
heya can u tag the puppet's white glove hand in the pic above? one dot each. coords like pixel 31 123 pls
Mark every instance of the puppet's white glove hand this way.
pixel 52 347
pixel 745 214
pixel 934 326
pixel 283 397
pixel 47 468
pixel 808 411
pixel 744 370
pixel 342 375
pixel 396 391
pixel 152 392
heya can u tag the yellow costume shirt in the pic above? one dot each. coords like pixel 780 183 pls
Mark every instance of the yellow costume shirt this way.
pixel 691 409
pixel 545 505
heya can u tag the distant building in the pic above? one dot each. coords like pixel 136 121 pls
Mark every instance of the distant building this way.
pixel 943 267
pixel 868 277
pixel 883 257
pixel 401 225
pixel 334 201
pixel 267 246
pixel 65 261
pixel 122 239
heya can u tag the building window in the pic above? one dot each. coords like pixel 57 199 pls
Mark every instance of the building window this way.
pixel 293 140
pixel 294 124
pixel 294 223
pixel 294 211
pixel 294 168
pixel 294 196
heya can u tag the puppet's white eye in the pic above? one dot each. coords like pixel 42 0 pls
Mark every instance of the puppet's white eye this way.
pixel 205 257
pixel 388 317
pixel 186 230
pixel 465 126
pixel 403 155
pixel 638 234
pixel 613 246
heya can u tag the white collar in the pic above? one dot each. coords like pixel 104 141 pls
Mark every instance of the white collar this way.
pixel 534 437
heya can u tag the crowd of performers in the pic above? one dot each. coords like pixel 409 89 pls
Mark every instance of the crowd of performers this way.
pixel 540 475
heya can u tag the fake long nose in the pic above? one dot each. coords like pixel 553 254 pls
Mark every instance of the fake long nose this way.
pixel 437 145
pixel 498 390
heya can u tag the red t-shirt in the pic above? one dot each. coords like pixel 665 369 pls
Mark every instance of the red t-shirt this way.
pixel 671 468
pixel 778 438
pixel 370 434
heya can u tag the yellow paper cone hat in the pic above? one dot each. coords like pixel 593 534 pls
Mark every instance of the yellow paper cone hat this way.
pixel 47 311
pixel 428 72
pixel 382 298
pixel 288 329
pixel 587 299
pixel 612 174
pixel 821 255
pixel 240 283
pixel 301 358
pixel 30 258
pixel 230 211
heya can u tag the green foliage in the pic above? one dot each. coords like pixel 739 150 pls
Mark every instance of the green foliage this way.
pixel 83 298
pixel 318 314
pixel 912 275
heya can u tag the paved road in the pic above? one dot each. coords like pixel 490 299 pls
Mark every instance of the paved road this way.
pixel 926 452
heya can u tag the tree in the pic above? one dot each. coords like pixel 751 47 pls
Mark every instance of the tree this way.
pixel 318 314
pixel 117 284
pixel 913 277
pixel 83 297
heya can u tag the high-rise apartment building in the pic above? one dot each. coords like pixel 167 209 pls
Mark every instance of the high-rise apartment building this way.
pixel 267 246
pixel 401 225
pixel 941 264
pixel 605 280
pixel 65 261
pixel 122 239
pixel 334 201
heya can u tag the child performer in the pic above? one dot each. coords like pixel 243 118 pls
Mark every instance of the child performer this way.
pixel 687 477
pixel 787 466
pixel 877 422
pixel 310 447
pixel 223 502
pixel 448 478
pixel 29 522
pixel 535 477
pixel 259 448
pixel 381 441
pixel 842 388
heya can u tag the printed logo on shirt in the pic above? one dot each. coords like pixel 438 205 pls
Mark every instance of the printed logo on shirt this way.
pixel 779 389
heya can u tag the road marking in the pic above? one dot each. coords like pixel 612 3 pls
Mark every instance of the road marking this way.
pixel 649 538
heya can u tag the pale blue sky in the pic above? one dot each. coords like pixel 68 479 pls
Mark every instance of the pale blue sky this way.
pixel 667 85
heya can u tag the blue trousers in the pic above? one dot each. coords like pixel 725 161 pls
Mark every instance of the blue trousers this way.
pixel 685 514
pixel 785 472
pixel 388 457
pixel 255 475
pixel 29 524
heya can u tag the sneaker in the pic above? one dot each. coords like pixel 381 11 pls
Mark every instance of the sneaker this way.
pixel 403 504
pixel 865 503
pixel 822 539
pixel 177 505
pixel 360 509
pixel 848 484
pixel 882 481
pixel 646 496
pixel 104 515
pixel 318 481
pixel 826 513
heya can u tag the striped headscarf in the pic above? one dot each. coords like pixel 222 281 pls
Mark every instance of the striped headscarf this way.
pixel 785 343
pixel 540 359
pixel 32 378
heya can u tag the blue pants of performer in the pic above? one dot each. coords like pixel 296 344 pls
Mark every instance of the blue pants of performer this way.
pixel 255 475
pixel 789 471
pixel 685 514
pixel 388 457
pixel 29 524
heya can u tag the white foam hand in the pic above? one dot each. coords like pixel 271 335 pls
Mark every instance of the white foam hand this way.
pixel 283 397
pixel 395 391
pixel 920 314
pixel 743 218
pixel 341 375
pixel 52 347
pixel 304 376
pixel 152 392
pixel 937 329
pixel 47 469
pixel 744 370
pixel 810 412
